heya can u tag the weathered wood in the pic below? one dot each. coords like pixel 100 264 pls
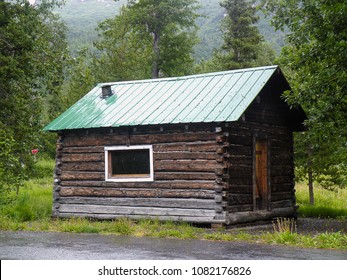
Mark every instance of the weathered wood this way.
pixel 236 160
pixel 281 179
pixel 241 189
pixel 185 165
pixel 282 187
pixel 84 166
pixel 208 146
pixel 252 216
pixel 240 150
pixel 239 199
pixel 184 155
pixel 114 139
pixel 282 203
pixel 70 175
pixel 184 175
pixel 86 157
pixel 278 196
pixel 87 149
pixel 240 139
pixel 107 192
pixel 143 202
pixel 130 210
pixel 170 184
pixel 240 171
pixel 281 170
pixel 192 219
pixel 239 208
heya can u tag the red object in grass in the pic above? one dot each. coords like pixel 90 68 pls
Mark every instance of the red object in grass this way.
pixel 35 151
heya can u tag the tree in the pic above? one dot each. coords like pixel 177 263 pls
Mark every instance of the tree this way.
pixel 243 46
pixel 124 54
pixel 241 38
pixel 315 62
pixel 31 56
pixel 158 35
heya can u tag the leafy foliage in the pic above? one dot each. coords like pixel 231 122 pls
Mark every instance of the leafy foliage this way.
pixel 31 56
pixel 315 62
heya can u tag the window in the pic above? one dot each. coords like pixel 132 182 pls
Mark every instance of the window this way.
pixel 129 163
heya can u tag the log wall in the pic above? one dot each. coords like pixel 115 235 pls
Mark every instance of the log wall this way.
pixel 185 185
pixel 265 119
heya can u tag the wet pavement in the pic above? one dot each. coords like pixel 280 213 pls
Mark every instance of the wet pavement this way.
pixel 23 245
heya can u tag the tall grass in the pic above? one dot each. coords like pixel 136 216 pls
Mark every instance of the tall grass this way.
pixel 328 204
pixel 34 201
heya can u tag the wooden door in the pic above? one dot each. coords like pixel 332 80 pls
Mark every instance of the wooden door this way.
pixel 261 192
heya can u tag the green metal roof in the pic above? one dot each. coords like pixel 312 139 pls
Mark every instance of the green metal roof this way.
pixel 212 97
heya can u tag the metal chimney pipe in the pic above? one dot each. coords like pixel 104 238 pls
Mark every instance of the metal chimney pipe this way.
pixel 106 91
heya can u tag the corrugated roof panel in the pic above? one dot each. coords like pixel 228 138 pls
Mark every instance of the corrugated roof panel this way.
pixel 202 100
pixel 158 115
pixel 239 90
pixel 212 97
pixel 163 101
pixel 141 108
pixel 178 105
pixel 192 100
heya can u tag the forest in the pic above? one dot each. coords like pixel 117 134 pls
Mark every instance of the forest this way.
pixel 52 53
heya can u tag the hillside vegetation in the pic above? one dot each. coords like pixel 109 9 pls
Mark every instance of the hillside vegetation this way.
pixel 83 16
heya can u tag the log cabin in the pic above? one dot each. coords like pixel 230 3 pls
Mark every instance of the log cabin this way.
pixel 213 148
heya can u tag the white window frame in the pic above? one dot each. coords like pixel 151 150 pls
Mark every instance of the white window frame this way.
pixel 129 179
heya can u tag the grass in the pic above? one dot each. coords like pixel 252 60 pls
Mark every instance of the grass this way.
pixel 328 204
pixel 31 210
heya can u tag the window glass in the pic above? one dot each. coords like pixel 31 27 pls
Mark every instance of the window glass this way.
pixel 130 162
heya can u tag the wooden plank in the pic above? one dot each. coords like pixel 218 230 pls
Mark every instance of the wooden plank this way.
pixel 282 170
pixel 191 219
pixel 107 192
pixel 240 139
pixel 239 208
pixel 128 210
pixel 186 165
pixel 142 202
pixel 87 149
pixel 184 175
pixel 66 175
pixel 240 171
pixel 101 139
pixel 253 216
pixel 240 150
pixel 208 146
pixel 172 137
pixel 241 189
pixel 278 196
pixel 85 157
pixel 83 166
pixel 184 155
pixel 282 203
pixel 170 184
pixel 236 160
pixel 284 187
pixel 240 199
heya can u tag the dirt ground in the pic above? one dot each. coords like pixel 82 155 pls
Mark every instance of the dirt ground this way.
pixel 303 225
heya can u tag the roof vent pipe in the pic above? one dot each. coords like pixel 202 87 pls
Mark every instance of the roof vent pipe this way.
pixel 106 91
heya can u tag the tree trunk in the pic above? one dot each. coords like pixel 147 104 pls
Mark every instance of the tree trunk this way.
pixel 310 176
pixel 156 50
